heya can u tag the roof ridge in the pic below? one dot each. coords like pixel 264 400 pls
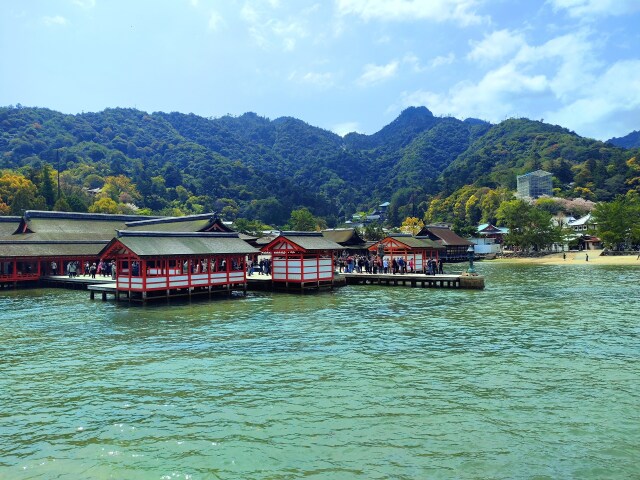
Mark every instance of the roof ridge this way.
pixel 186 218
pixel 142 233
pixel 32 214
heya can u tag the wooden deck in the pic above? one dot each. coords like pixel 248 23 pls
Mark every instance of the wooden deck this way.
pixel 105 286
pixel 265 282
pixel 78 283
pixel 416 280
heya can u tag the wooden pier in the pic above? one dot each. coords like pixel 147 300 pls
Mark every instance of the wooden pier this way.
pixel 475 282
pixel 106 287
pixel 122 295
pixel 266 283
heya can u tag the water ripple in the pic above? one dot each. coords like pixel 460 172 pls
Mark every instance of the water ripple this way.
pixel 535 377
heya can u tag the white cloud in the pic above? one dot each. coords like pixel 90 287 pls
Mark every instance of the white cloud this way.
pixel 560 80
pixel 267 31
pixel 609 107
pixel 321 80
pixel 343 128
pixel 586 9
pixel 413 61
pixel 85 3
pixel 443 60
pixel 55 20
pixel 493 97
pixel 571 55
pixel 215 21
pixel 378 73
pixel 462 12
pixel 495 46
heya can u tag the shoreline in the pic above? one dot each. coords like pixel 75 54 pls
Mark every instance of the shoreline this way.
pixel 575 258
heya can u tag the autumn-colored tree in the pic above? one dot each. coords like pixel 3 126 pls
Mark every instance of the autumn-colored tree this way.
pixel 104 205
pixel 116 186
pixel 411 225
pixel 19 193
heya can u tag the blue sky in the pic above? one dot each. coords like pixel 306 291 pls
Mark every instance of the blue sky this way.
pixel 343 65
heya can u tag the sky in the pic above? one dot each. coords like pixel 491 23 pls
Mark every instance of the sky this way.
pixel 342 65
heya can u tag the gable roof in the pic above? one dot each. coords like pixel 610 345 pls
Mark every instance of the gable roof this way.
pixel 585 220
pixel 343 236
pixel 444 236
pixel 409 241
pixel 62 226
pixel 169 244
pixel 488 229
pixel 302 241
pixel 8 225
pixel 205 222
pixel 19 248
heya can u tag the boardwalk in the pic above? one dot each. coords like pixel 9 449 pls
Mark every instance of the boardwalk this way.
pixel 415 280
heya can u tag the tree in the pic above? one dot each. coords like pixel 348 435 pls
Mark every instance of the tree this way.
pixel 46 185
pixel 302 220
pixel 411 225
pixel 19 193
pixel 529 227
pixel 250 227
pixel 618 221
pixel 373 232
pixel 62 205
pixel 104 205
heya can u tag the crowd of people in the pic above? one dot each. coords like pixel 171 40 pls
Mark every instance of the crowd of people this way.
pixel 262 266
pixel 375 264
pixel 345 263
pixel 73 269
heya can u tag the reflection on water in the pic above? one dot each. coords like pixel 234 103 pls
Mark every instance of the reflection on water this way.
pixel 535 377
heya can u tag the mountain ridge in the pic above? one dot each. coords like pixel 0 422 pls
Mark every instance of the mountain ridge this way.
pixel 252 165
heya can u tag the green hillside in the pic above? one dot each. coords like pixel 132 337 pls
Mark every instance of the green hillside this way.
pixel 256 168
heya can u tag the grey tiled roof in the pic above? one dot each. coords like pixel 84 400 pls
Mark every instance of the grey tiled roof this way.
pixel 162 244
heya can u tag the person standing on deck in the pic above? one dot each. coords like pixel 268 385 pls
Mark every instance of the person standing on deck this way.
pixel 54 268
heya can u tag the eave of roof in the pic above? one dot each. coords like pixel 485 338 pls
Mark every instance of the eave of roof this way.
pixel 168 244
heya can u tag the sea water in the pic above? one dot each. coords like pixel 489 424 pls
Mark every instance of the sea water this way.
pixel 537 376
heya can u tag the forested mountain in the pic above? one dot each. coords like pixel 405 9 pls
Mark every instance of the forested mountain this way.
pixel 631 140
pixel 256 168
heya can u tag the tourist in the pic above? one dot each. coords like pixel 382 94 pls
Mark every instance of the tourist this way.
pixel 54 268
pixel 93 269
pixel 441 266
pixel 113 269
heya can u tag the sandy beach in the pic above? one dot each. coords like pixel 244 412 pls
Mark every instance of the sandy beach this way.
pixel 577 258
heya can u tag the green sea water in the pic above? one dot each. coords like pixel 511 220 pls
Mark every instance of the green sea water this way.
pixel 535 377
